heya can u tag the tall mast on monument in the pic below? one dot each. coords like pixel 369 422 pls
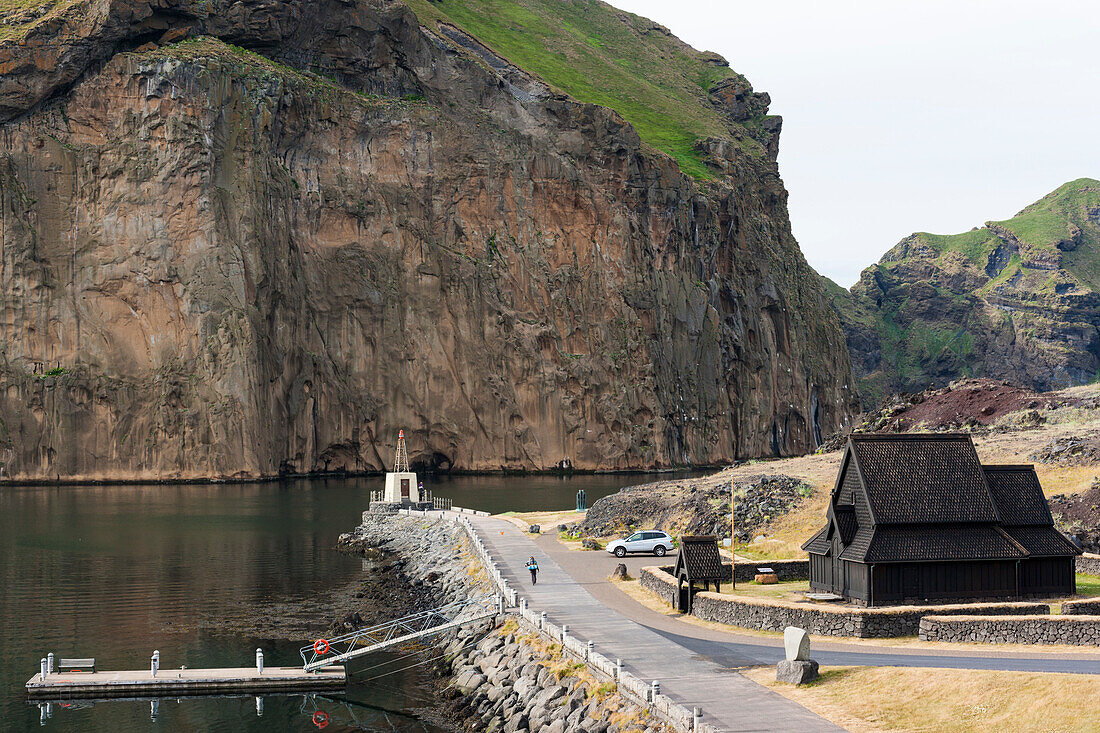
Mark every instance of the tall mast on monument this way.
pixel 401 465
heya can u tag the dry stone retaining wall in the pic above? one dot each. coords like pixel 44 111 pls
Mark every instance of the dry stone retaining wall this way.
pixel 784 569
pixel 1089 607
pixel 746 571
pixel 755 613
pixel 1074 630
pixel 1088 564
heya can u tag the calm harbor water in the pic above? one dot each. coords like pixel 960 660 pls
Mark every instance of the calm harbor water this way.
pixel 115 572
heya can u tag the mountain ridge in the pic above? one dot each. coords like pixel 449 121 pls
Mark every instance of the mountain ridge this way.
pixel 1016 299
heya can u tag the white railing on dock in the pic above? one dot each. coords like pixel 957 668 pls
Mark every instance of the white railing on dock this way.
pixel 645 694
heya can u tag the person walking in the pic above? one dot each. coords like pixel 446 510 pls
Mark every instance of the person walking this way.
pixel 534 568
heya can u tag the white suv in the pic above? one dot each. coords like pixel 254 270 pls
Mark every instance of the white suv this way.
pixel 651 540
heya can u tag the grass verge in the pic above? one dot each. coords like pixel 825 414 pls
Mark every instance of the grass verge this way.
pixel 945 700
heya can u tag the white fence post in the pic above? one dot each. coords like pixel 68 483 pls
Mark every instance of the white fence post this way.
pixel 259 661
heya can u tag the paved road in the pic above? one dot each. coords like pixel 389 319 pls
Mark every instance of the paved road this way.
pixel 697 665
pixel 729 649
pixel 729 700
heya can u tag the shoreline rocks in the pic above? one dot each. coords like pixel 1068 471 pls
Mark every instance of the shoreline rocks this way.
pixel 513 680
pixel 500 675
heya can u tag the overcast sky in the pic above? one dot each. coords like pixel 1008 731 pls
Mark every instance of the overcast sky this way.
pixel 909 116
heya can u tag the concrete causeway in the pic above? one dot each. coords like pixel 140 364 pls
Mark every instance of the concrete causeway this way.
pixel 729 701
pixel 180 682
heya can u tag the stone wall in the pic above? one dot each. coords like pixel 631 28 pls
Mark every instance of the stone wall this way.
pixel 660 582
pixel 1084 607
pixel 772 615
pixel 746 571
pixel 1074 630
pixel 784 569
pixel 1088 564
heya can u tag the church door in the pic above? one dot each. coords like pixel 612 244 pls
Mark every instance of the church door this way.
pixel 404 488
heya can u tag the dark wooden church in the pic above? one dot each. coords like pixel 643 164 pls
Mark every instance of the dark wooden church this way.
pixel 918 517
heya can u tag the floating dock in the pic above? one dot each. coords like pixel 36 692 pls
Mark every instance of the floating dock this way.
pixel 180 682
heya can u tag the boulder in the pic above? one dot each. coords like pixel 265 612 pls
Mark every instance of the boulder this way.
pixel 619 573
pixel 796 642
pixel 468 681
pixel 797 672
pixel 518 721
pixel 590 544
pixel 534 529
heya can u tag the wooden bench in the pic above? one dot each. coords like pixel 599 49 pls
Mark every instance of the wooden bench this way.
pixel 76 665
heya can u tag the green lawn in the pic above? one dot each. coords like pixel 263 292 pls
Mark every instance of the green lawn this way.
pixel 1088 585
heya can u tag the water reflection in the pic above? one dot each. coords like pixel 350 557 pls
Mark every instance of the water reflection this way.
pixel 114 572
pixel 296 711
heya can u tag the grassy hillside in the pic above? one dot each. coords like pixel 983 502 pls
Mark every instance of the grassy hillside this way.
pixel 1066 219
pixel 19 16
pixel 1009 300
pixel 602 55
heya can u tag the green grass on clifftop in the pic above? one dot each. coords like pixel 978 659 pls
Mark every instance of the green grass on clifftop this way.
pixel 1067 213
pixel 601 55
pixel 17 17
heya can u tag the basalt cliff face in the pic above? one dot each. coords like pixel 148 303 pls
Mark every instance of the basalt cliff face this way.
pixel 249 238
pixel 1017 300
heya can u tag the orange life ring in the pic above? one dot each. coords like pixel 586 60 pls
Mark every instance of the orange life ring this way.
pixel 320 646
pixel 320 718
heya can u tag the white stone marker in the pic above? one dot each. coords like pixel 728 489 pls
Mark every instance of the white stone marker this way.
pixel 796 642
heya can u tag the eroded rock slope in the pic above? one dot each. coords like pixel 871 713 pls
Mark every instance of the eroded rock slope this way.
pixel 244 238
pixel 1017 300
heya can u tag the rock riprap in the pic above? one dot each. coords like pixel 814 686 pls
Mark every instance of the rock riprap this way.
pixel 500 676
pixel 220 264
pixel 516 681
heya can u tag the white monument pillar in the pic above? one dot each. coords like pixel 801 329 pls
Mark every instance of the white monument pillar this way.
pixel 401 484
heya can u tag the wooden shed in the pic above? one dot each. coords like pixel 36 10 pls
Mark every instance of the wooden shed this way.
pixel 698 562
pixel 916 517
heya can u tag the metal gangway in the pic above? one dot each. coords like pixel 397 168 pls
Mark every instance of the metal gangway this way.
pixel 324 652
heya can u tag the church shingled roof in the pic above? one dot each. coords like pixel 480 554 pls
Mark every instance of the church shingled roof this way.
pixel 932 500
pixel 1018 495
pixel 819 543
pixel 923 479
pixel 910 543
pixel 846 520
pixel 1042 541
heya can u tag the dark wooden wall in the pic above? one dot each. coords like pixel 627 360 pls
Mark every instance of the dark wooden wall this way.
pixel 1043 575
pixel 944 580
